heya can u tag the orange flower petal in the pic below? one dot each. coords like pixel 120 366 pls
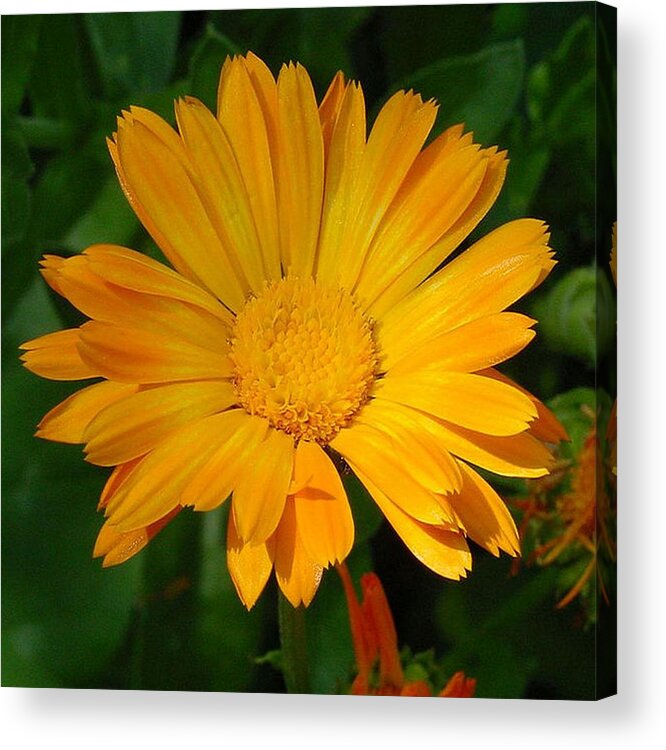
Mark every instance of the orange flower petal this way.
pixel 322 510
pixel 250 565
pixel 56 356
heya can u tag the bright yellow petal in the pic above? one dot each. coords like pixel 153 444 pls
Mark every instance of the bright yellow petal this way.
pixel 217 478
pixel 388 464
pixel 323 514
pixel 130 355
pixel 218 180
pixel 435 193
pixel 261 491
pixel 430 463
pixel 162 193
pixel 344 158
pixel 425 263
pixel 134 425
pixel 300 170
pixel 482 343
pixel 486 279
pixel 101 300
pixel 155 485
pixel 66 423
pixel 396 138
pixel 472 401
pixel 56 356
pixel 484 515
pixel 132 270
pixel 246 114
pixel 443 551
pixel 297 574
pixel 249 565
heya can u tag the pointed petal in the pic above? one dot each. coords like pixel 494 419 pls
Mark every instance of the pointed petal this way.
pixel 486 279
pixel 160 190
pixel 474 346
pixel 485 517
pixel 383 459
pixel 246 107
pixel 249 565
pixel 219 183
pixel 329 109
pixel 155 485
pixel 117 546
pixel 56 356
pixel 443 551
pixel 66 423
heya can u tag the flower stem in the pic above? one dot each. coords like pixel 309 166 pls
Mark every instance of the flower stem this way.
pixel 293 642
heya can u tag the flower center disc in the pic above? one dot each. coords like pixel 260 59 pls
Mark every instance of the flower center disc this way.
pixel 304 358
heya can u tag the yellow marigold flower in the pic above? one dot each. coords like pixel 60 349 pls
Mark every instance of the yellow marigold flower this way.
pixel 302 319
pixel 376 647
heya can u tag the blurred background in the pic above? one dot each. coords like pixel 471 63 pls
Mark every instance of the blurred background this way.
pixel 536 79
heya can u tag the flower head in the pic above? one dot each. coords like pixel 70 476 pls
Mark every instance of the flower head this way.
pixel 302 317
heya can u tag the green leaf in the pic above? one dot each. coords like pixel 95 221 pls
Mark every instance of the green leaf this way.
pixel 413 36
pixel 16 169
pixel 561 89
pixel 20 36
pixel 206 63
pixel 135 52
pixel 479 90
pixel 60 86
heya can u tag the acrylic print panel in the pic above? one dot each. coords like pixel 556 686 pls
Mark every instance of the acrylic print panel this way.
pixel 336 336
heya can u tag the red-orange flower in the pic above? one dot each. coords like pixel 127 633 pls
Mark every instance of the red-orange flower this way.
pixel 375 640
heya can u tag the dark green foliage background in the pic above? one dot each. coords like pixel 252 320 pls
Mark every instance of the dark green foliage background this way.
pixel 521 76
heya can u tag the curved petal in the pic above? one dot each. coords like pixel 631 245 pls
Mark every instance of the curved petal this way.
pixel 424 264
pixel 246 106
pixel 130 355
pixel 444 552
pixel 132 270
pixel 56 356
pixel 104 301
pixel 323 514
pixel 261 491
pixel 486 279
pixel 429 459
pixel 297 574
pixel 473 401
pixel 133 426
pixel 249 565
pixel 380 457
pixel 66 422
pixel 329 109
pixel 443 181
pixel 159 188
